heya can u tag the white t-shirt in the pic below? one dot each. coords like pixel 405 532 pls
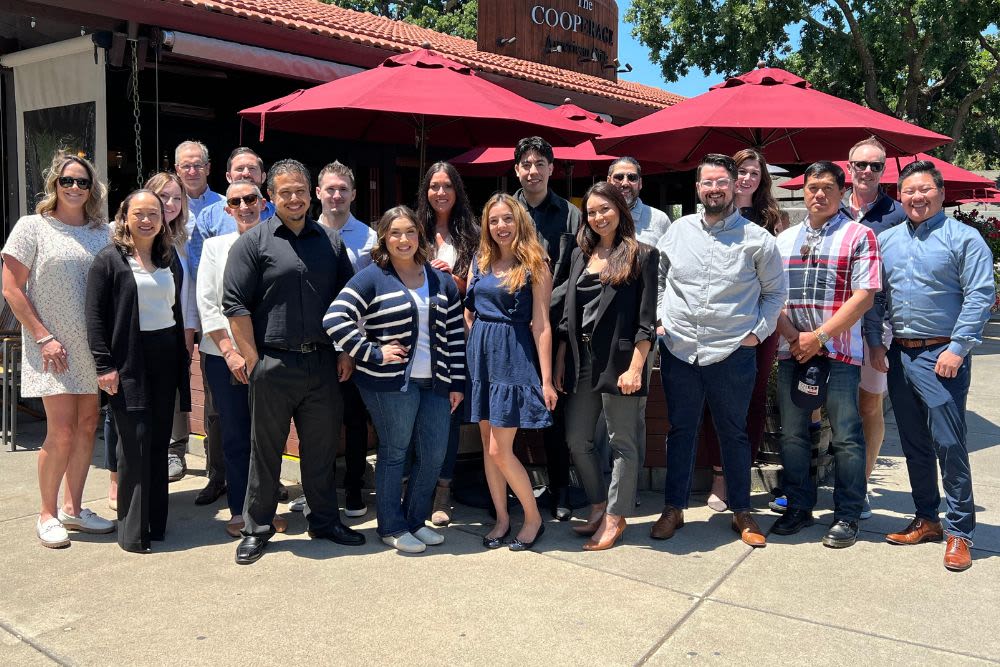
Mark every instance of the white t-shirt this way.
pixel 422 350
pixel 447 253
pixel 156 297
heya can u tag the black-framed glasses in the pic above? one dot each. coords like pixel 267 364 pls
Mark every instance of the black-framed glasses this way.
pixel 68 181
pixel 249 200
pixel 631 176
pixel 861 165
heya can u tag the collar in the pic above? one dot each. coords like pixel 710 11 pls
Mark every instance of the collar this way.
pixel 206 195
pixel 548 202
pixel 728 222
pixel 278 227
pixel 928 225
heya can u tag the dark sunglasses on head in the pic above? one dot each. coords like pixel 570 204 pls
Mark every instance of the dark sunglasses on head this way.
pixel 875 166
pixel 68 181
pixel 249 200
pixel 632 177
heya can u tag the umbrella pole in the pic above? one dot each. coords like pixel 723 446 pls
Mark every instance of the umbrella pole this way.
pixel 423 147
pixel 568 166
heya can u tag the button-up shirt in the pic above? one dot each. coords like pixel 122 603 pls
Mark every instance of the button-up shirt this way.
pixel 359 239
pixel 718 283
pixel 650 223
pixel 196 204
pixel 285 282
pixel 556 221
pixel 215 221
pixel 938 279
pixel 841 257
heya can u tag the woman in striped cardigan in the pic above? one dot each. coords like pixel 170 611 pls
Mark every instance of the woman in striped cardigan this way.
pixel 402 322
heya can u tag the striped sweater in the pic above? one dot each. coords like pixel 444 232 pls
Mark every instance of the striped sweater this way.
pixel 376 308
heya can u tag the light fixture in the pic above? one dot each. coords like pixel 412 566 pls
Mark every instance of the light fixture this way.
pixel 554 49
pixel 504 41
pixel 32 21
pixel 83 31
pixel 625 70
pixel 592 58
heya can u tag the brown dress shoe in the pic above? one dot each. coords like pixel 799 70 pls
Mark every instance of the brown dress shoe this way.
pixel 594 545
pixel 671 519
pixel 919 530
pixel 957 556
pixel 589 528
pixel 746 526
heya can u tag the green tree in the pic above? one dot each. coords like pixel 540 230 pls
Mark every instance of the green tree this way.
pixel 452 17
pixel 934 63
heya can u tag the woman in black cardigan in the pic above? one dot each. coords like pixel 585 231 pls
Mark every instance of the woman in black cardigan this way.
pixel 136 334
pixel 608 325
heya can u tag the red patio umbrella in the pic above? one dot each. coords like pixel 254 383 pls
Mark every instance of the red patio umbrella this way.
pixel 769 109
pixel 987 196
pixel 417 96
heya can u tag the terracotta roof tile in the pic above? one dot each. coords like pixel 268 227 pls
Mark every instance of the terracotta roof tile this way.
pixel 378 31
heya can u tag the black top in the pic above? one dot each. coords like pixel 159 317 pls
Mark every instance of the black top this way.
pixel 112 313
pixel 284 282
pixel 588 291
pixel 557 222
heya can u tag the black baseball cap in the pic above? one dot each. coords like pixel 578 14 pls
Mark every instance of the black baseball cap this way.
pixel 809 383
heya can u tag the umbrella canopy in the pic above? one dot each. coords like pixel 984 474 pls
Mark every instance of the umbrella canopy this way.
pixel 770 109
pixel 414 96
pixel 987 196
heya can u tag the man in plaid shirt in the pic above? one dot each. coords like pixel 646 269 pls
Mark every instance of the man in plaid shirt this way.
pixel 833 270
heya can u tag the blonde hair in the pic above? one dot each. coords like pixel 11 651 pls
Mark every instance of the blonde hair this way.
pixel 529 255
pixel 178 226
pixel 93 210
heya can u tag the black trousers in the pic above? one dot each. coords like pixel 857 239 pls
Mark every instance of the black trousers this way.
pixel 144 436
pixel 215 461
pixel 556 450
pixel 356 436
pixel 286 386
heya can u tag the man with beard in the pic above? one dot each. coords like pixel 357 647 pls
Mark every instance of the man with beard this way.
pixel 650 223
pixel 722 286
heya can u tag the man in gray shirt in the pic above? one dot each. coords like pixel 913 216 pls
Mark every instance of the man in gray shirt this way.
pixel 650 223
pixel 722 286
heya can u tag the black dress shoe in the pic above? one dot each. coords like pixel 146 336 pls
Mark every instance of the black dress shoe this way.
pixel 559 504
pixel 496 542
pixel 791 522
pixel 518 545
pixel 212 492
pixel 250 549
pixel 340 534
pixel 841 534
pixel 282 493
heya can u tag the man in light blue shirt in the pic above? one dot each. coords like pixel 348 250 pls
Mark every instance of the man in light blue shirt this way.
pixel 723 286
pixel 650 223
pixel 938 290
pixel 192 166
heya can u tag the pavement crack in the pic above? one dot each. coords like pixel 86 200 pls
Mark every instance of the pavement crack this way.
pixel 21 637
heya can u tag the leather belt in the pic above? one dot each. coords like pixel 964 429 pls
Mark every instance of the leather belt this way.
pixel 921 342
pixel 305 348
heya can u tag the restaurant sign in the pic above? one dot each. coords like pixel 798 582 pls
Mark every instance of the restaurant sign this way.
pixel 578 35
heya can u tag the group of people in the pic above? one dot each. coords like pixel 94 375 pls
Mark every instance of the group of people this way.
pixel 535 314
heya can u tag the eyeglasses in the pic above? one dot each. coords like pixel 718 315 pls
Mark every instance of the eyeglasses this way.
pixel 68 181
pixel 249 200
pixel 631 176
pixel 909 192
pixel 717 183
pixel 861 165
pixel 196 166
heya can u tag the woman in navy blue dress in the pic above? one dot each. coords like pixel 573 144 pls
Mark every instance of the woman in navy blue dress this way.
pixel 509 356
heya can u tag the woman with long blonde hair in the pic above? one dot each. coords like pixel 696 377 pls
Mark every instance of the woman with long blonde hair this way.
pixel 509 356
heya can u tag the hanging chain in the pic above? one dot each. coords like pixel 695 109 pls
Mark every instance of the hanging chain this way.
pixel 134 84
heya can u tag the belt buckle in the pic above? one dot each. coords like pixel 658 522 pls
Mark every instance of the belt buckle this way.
pixel 306 348
pixel 584 338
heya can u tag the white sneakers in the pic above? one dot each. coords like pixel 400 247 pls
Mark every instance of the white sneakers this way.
pixel 86 522
pixel 414 543
pixel 429 537
pixel 51 533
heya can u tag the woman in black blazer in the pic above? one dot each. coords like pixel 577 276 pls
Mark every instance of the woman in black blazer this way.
pixel 136 334
pixel 608 325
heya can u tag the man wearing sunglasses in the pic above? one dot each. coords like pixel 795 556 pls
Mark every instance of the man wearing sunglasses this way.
pixel 832 266
pixel 650 223
pixel 866 202
pixel 938 290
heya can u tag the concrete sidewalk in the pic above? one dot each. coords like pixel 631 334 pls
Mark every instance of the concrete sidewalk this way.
pixel 701 597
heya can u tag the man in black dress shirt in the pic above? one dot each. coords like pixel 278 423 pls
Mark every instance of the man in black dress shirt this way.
pixel 280 278
pixel 556 221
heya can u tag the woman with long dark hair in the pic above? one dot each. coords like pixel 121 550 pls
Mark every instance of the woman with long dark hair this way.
pixel 608 325
pixel 453 236
pixel 756 203
pixel 136 334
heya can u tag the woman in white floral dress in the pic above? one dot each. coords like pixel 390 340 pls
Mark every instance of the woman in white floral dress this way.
pixel 45 263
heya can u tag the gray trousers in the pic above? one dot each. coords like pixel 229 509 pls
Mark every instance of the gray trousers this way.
pixel 180 430
pixel 624 418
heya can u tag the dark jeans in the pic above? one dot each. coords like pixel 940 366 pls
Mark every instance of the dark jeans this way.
pixel 726 386
pixel 286 386
pixel 142 445
pixel 414 419
pixel 848 442
pixel 930 415
pixel 356 436
pixel 454 433
pixel 232 402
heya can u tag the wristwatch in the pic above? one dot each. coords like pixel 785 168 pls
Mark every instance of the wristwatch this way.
pixel 823 336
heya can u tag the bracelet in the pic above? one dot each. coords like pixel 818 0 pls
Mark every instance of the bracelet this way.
pixel 45 339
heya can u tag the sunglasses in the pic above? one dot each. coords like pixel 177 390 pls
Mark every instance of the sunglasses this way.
pixel 809 246
pixel 249 200
pixel 68 181
pixel 632 177
pixel 876 167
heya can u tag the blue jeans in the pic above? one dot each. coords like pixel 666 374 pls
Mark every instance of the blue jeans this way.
pixel 454 431
pixel 930 415
pixel 848 442
pixel 416 419
pixel 727 385
pixel 232 404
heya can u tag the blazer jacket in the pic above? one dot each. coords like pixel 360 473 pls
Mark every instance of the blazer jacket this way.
pixel 112 312
pixel 626 315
